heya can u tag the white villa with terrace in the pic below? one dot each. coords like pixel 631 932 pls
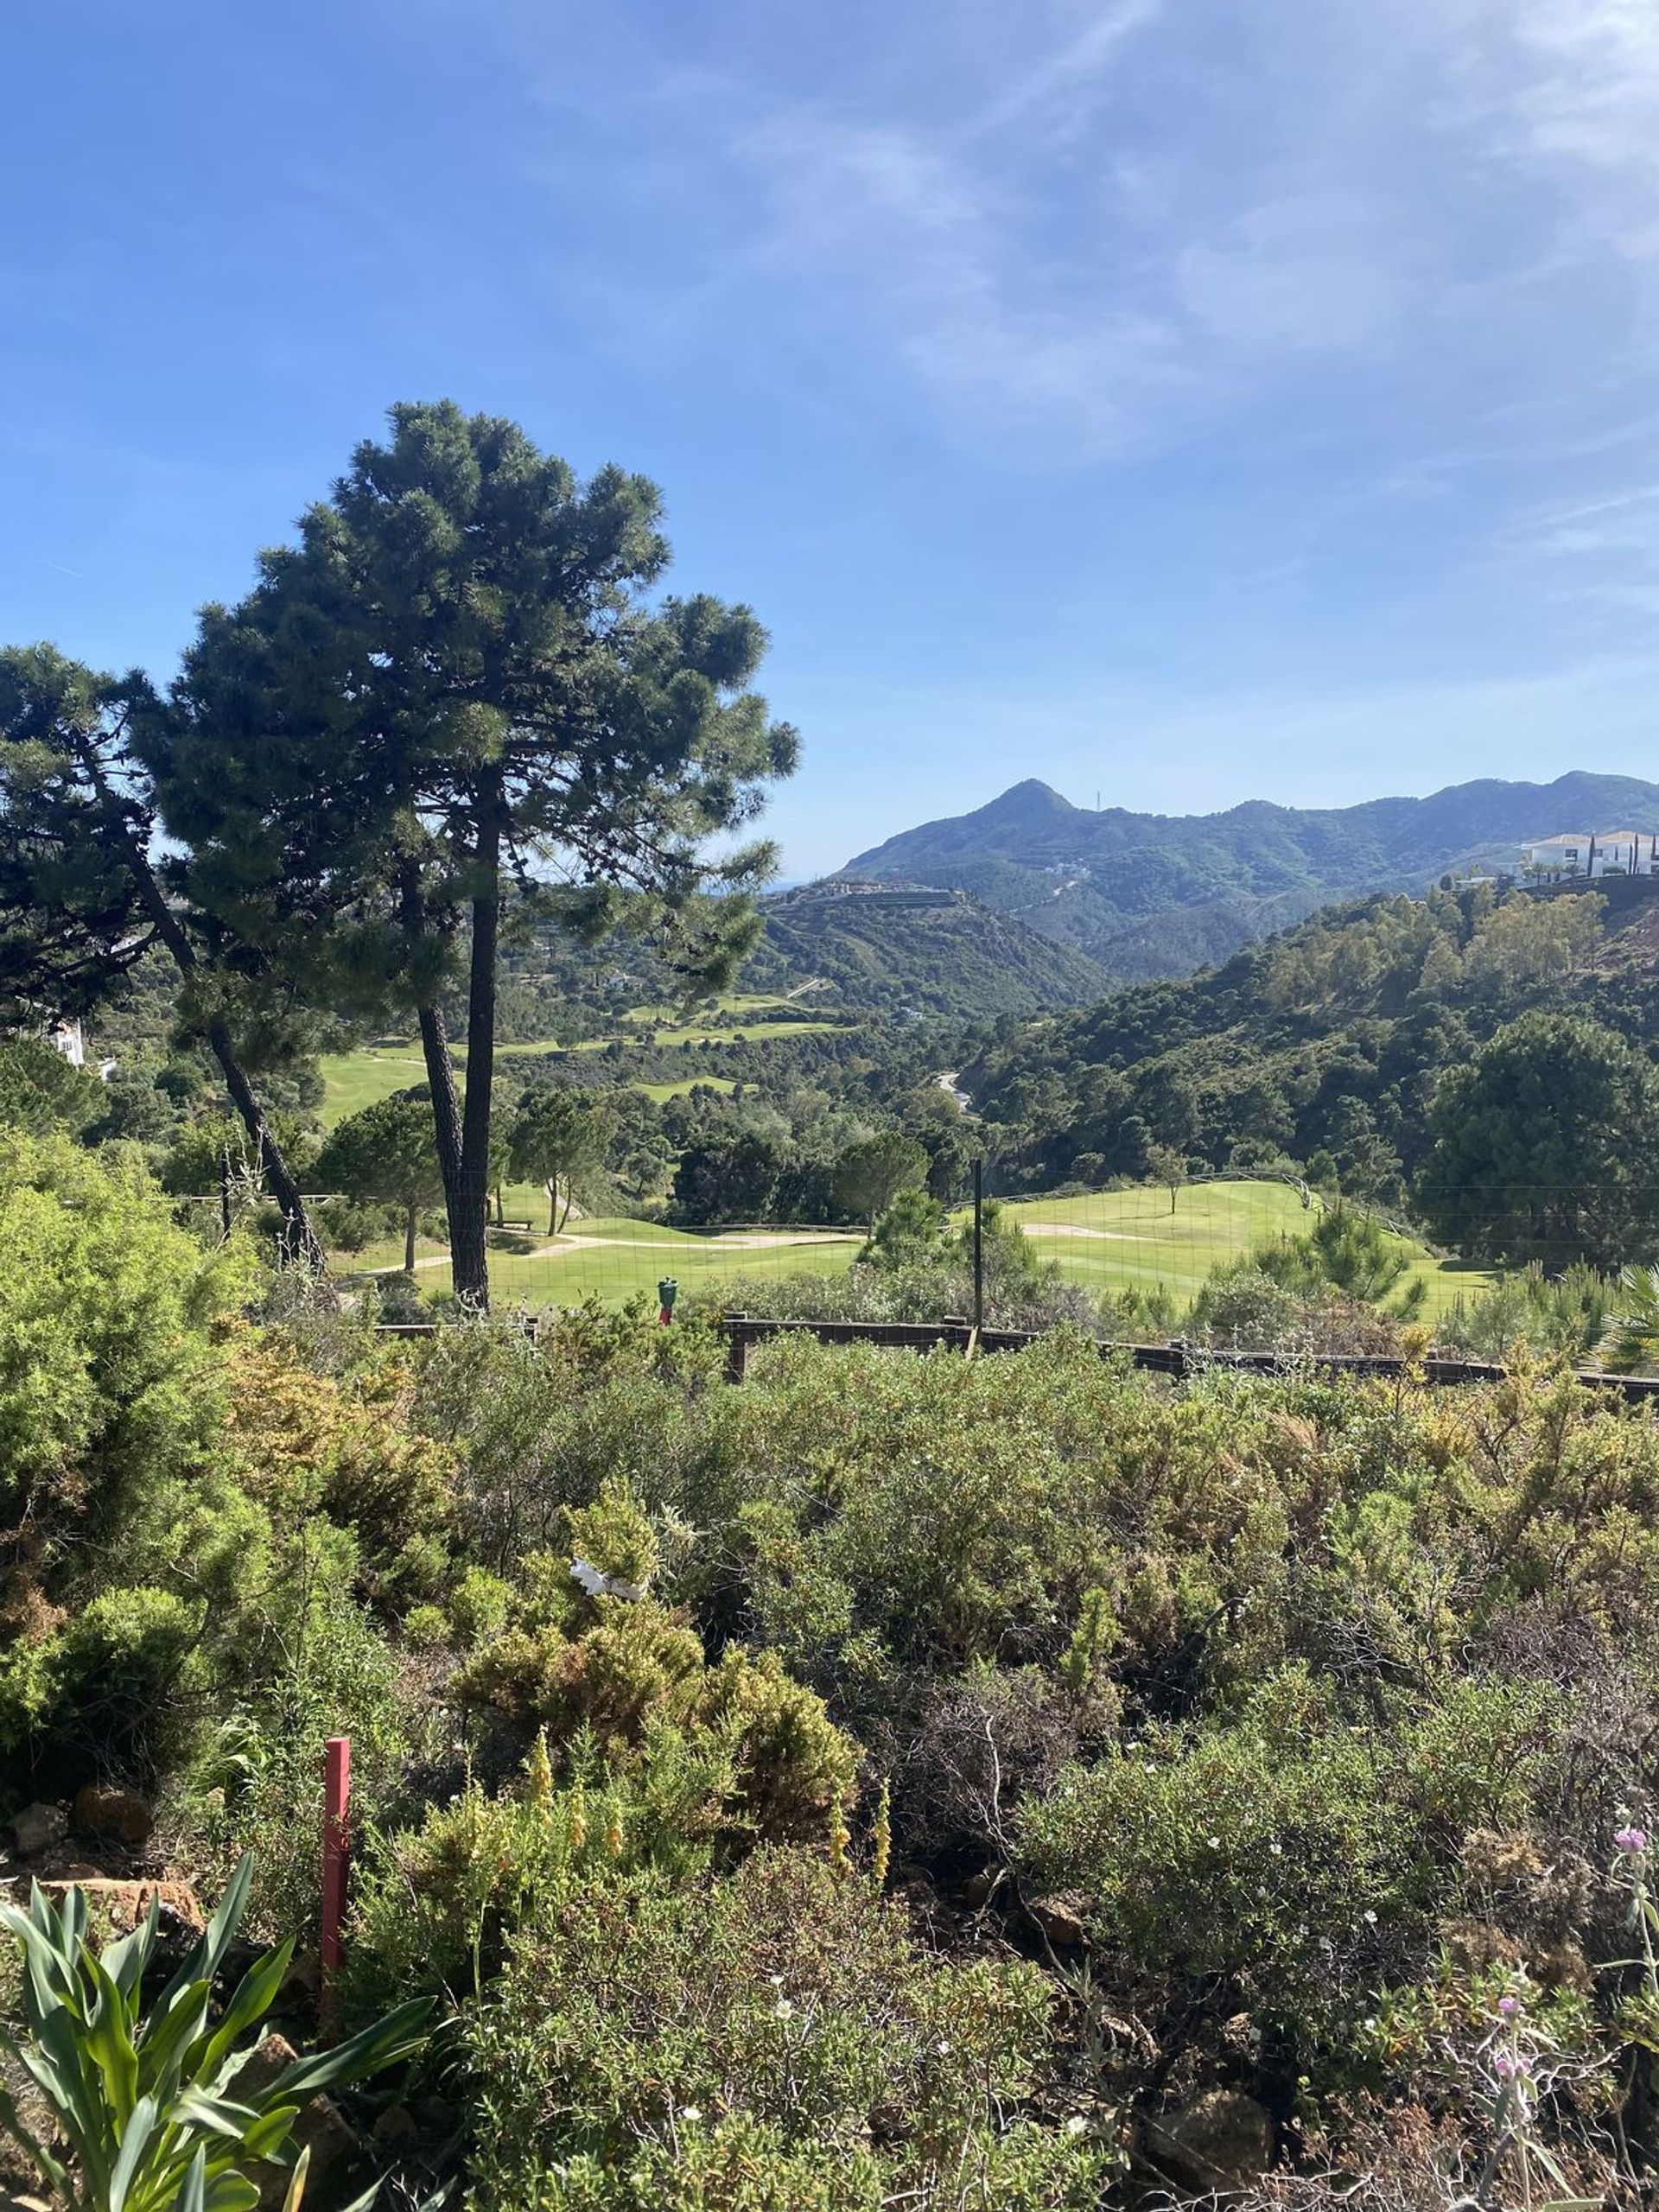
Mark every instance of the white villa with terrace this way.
pixel 1591 853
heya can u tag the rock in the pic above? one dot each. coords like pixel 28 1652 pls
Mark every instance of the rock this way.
pixel 303 1980
pixel 263 2064
pixel 396 2125
pixel 1220 2140
pixel 37 1827
pixel 1060 1918
pixel 102 1808
pixel 322 2128
pixel 978 1887
pixel 127 1903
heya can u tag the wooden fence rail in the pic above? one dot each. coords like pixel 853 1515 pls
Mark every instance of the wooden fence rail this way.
pixel 1178 1359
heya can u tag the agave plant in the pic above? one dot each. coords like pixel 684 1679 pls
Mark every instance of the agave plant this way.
pixel 147 2114
pixel 1630 1340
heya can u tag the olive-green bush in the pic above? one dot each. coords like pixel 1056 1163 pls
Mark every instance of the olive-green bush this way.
pixel 773 2039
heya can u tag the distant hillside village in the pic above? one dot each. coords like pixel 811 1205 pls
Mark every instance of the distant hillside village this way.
pixel 1588 854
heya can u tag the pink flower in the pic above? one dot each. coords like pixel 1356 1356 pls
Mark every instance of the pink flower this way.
pixel 1632 1839
pixel 1506 2066
pixel 1508 2006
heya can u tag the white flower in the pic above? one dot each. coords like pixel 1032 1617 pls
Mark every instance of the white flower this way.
pixel 690 2111
pixel 1214 1843
pixel 1277 1849
pixel 1370 1918
pixel 942 2048
pixel 598 1584
pixel 784 2010
pixel 1076 2125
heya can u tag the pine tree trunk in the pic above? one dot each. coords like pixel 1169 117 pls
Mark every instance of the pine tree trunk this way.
pixel 410 1216
pixel 468 1248
pixel 439 1067
pixel 553 1207
pixel 446 1111
pixel 445 1102
pixel 300 1241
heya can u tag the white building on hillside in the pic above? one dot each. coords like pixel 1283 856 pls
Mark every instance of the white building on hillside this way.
pixel 67 1036
pixel 1590 853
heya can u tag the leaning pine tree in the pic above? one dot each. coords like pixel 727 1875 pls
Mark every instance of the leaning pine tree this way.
pixel 457 699
pixel 82 898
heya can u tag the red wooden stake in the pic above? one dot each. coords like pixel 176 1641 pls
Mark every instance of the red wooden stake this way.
pixel 336 1859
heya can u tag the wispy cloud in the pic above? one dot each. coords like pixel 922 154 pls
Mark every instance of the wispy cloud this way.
pixel 1594 93
pixel 1087 228
pixel 1070 73
pixel 1103 289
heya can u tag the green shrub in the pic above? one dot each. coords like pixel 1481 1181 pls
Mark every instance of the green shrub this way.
pixel 305 1444
pixel 255 1787
pixel 619 1670
pixel 110 1384
pixel 773 2039
pixel 432 1904
pixel 1282 1858
pixel 478 1608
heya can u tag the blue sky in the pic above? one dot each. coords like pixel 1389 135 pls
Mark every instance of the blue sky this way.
pixel 1184 400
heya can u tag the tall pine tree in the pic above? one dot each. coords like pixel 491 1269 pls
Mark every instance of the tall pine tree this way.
pixel 459 690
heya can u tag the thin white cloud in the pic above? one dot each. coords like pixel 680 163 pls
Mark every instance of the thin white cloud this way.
pixel 1343 192
pixel 1075 66
pixel 1085 228
pixel 1595 95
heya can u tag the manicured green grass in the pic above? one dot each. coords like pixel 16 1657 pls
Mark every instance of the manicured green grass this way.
pixel 737 1006
pixel 616 1272
pixel 352 1081
pixel 719 1032
pixel 660 1091
pixel 1117 1240
pixel 613 1258
pixel 1109 1241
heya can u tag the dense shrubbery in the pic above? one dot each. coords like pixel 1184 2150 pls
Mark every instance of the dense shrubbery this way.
pixel 779 2039
pixel 1245 1739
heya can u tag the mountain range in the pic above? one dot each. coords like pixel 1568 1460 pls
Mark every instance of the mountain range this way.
pixel 1144 895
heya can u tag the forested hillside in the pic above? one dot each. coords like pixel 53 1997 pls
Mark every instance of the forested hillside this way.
pixel 1149 895
pixel 1327 1047
pixel 841 950
pixel 911 951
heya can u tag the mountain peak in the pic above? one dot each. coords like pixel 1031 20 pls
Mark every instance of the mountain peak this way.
pixel 1029 800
